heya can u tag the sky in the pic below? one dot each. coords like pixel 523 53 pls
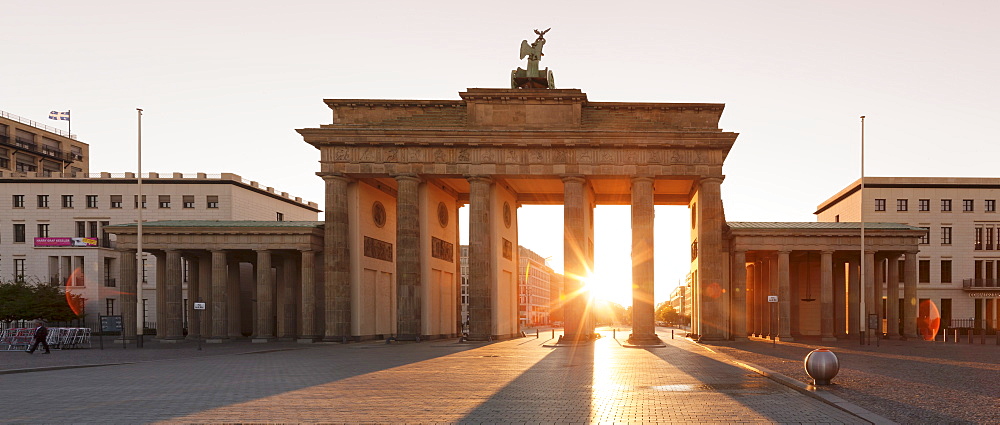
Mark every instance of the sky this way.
pixel 224 84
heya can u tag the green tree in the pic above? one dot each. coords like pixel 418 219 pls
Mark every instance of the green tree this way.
pixel 36 300
pixel 666 313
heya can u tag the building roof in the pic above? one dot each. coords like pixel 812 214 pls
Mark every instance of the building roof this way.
pixel 225 223
pixel 817 225
pixel 910 183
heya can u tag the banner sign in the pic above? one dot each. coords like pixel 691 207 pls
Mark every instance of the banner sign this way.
pixel 64 242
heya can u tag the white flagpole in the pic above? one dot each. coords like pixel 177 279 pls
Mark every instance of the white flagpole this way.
pixel 861 294
pixel 139 254
pixel 69 124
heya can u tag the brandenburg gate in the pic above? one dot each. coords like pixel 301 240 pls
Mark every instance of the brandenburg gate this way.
pixel 396 172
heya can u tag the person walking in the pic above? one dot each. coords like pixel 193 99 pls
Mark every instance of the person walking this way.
pixel 41 335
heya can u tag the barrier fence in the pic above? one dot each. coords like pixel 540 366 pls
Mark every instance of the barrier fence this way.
pixel 14 339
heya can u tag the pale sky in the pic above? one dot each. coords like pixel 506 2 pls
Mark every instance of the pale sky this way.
pixel 224 84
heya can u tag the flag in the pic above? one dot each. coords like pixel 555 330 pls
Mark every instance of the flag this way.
pixel 54 115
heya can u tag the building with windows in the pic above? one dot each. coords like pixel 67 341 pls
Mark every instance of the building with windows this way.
pixel 958 265
pixel 52 225
pixel 29 146
pixel 534 288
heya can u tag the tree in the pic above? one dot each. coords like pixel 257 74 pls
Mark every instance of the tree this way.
pixel 666 313
pixel 20 300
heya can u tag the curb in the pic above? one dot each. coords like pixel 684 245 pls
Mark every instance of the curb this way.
pixel 807 389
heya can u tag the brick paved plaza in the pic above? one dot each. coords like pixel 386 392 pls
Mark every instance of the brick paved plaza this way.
pixel 515 381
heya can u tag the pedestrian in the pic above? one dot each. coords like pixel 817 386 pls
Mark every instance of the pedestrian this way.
pixel 41 336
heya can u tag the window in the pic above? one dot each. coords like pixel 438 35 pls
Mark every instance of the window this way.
pixel 43 201
pixel 164 201
pixel 880 205
pixel 924 271
pixel 281 217
pixel 135 198
pixel 836 218
pixel 967 205
pixel 81 229
pixel 946 236
pixel 19 233
pixel 945 271
pixel 109 305
pixel 116 201
pixel 43 230
pixel 979 238
pixel 18 201
pixel 926 238
pixel 946 205
pixel 105 239
pixel 67 201
pixel 902 204
pixel 188 201
pixel 144 279
pixel 991 205
pixel 989 238
pixel 91 201
pixel 92 226
pixel 213 201
pixel 924 205
pixel 19 269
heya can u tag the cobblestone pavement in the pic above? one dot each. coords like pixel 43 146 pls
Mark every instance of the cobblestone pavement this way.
pixel 516 381
pixel 906 381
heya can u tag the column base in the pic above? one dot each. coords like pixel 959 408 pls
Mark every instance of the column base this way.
pixel 262 340
pixel 170 341
pixel 307 339
pixel 643 342
pixel 784 339
pixel 828 339
pixel 217 340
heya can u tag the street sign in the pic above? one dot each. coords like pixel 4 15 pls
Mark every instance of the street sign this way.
pixel 772 298
pixel 199 306
pixel 111 323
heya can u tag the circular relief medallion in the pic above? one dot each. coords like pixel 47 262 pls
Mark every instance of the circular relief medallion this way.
pixel 442 214
pixel 506 214
pixel 378 214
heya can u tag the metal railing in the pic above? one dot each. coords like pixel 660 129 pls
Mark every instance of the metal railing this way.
pixel 36 124
pixel 981 283
pixel 30 146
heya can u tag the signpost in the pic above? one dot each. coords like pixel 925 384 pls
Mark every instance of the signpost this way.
pixel 111 324
pixel 199 307
pixel 773 299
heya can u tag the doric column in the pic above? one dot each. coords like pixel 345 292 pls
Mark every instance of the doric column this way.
pixel 892 296
pixel 784 297
pixel 233 285
pixel 879 275
pixel 264 328
pixel 854 314
pixel 286 298
pixel 826 299
pixel 220 297
pixel 739 299
pixel 129 292
pixel 710 259
pixel 205 293
pixel 174 296
pixel 308 316
pixel 575 258
pixel 643 308
pixel 869 283
pixel 910 295
pixel 160 274
pixel 194 287
pixel 408 285
pixel 839 300
pixel 751 296
pixel 337 260
pixel 480 255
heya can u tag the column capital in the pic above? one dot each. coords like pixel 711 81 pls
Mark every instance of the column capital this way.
pixel 642 179
pixel 333 176
pixel 262 250
pixel 712 179
pixel 913 253
pixel 576 178
pixel 306 250
pixel 482 178
pixel 406 176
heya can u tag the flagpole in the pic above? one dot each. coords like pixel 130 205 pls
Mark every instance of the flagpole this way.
pixel 862 294
pixel 69 124
pixel 139 254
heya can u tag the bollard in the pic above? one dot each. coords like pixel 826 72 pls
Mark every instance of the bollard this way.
pixel 614 333
pixel 553 333
pixel 982 337
pixel 956 336
pixel 821 365
pixel 970 336
pixel 671 334
pixel 536 333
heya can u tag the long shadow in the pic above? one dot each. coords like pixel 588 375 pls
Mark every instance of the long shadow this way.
pixel 157 391
pixel 555 389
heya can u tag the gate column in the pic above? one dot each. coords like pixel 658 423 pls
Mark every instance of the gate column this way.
pixel 711 282
pixel 480 253
pixel 408 257
pixel 576 255
pixel 643 320
pixel 336 260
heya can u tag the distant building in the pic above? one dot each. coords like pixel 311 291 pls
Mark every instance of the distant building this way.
pixel 680 301
pixel 533 288
pixel 31 147
pixel 958 265
pixel 52 224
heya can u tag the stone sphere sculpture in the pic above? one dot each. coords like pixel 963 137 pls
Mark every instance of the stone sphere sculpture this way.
pixel 821 365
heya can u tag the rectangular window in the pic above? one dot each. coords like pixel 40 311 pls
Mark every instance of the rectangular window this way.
pixel 43 201
pixel 135 198
pixel 924 205
pixel 109 306
pixel 43 230
pixel 946 236
pixel 164 201
pixel 91 201
pixel 19 233
pixel 924 271
pixel 991 205
pixel 902 204
pixel 945 271
pixel 116 201
pixel 880 205
pixel 105 239
pixel 946 205
pixel 281 217
pixel 18 201
pixel 144 279
pixel 926 238
pixel 67 201
pixel 81 229
pixel 967 205
pixel 19 269
pixel 188 201
pixel 92 227
pixel 213 201
pixel 979 238
pixel 989 238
